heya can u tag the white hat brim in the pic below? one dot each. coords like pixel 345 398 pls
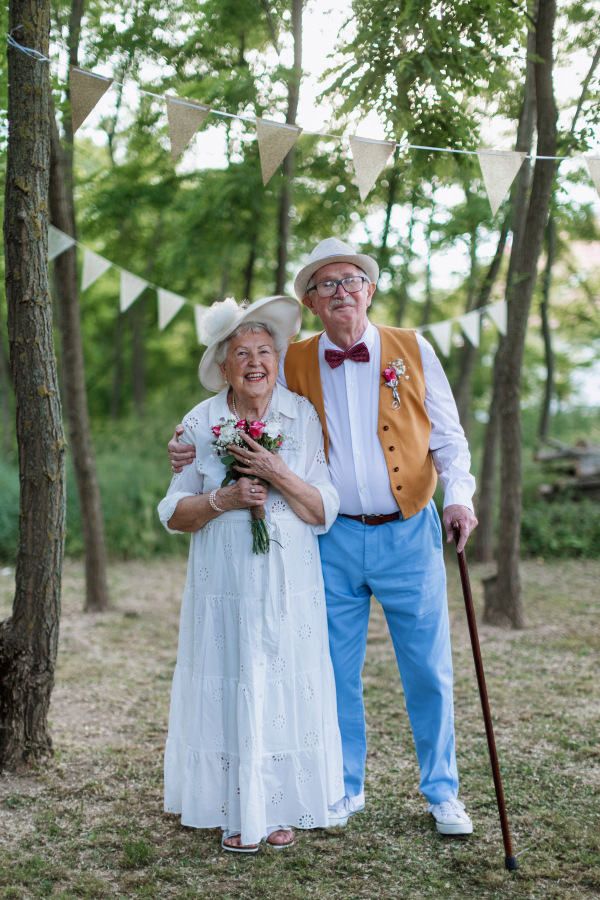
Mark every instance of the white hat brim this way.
pixel 283 313
pixel 364 262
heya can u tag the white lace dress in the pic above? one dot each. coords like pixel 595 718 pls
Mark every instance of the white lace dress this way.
pixel 253 736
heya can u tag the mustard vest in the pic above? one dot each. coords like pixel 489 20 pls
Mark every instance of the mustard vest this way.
pixel 404 432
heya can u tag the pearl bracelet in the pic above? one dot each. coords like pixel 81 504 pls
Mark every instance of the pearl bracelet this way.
pixel 211 500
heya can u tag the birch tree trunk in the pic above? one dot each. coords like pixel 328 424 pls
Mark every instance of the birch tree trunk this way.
pixel 288 162
pixel 508 606
pixel 29 638
pixel 62 210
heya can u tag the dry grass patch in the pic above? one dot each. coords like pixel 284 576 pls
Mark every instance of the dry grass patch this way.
pixel 88 823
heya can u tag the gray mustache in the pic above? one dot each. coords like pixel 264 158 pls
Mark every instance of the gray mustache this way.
pixel 342 301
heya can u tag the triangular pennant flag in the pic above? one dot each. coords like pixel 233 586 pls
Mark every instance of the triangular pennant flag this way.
pixel 131 288
pixel 274 143
pixel 199 312
pixel 593 164
pixel 185 118
pixel 498 168
pixel 93 267
pixel 58 242
pixel 369 159
pixel 86 89
pixel 471 324
pixel 497 313
pixel 442 335
pixel 169 305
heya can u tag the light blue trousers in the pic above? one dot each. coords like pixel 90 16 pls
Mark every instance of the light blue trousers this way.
pixel 402 564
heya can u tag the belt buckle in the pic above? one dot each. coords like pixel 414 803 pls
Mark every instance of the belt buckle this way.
pixel 364 517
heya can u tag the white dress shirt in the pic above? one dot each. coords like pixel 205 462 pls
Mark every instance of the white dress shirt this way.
pixel 356 462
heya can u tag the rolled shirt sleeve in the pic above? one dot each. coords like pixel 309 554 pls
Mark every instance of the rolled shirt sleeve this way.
pixel 183 484
pixel 448 444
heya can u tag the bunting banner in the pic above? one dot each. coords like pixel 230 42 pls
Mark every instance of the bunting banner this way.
pixel 274 143
pixel 199 312
pixel 471 325
pixel 369 158
pixel 131 288
pixel 58 242
pixel 499 169
pixel 593 164
pixel 169 305
pixel 86 90
pixel 497 312
pixel 275 140
pixel 442 335
pixel 93 267
pixel 185 118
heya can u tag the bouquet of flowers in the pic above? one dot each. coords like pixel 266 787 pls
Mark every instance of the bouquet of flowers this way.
pixel 270 436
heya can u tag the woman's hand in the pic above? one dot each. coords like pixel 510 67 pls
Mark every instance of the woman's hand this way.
pixel 257 461
pixel 241 494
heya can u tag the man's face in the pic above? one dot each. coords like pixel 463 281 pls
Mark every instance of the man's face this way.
pixel 343 309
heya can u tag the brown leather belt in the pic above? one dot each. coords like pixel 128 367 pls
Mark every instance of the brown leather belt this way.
pixel 374 520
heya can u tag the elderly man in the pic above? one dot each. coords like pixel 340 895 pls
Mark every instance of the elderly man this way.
pixel 391 430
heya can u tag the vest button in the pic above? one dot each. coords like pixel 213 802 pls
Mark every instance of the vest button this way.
pixel 396 469
pixel 399 488
pixel 386 427
pixel 392 448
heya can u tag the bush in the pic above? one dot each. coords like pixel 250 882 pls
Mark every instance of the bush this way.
pixel 132 483
pixel 559 530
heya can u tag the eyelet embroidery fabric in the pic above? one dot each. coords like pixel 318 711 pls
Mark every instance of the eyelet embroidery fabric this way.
pixel 253 737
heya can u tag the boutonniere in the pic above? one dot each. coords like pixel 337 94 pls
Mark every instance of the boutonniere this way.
pixel 392 376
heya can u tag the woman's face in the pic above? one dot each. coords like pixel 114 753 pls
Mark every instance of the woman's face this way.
pixel 251 366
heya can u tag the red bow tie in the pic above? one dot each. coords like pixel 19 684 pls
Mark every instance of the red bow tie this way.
pixel 358 353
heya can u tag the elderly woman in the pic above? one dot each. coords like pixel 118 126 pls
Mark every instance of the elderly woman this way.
pixel 253 742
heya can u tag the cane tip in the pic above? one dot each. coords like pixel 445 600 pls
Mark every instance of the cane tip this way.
pixel 511 863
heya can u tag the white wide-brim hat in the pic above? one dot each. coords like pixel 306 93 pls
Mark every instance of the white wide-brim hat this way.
pixel 222 318
pixel 333 251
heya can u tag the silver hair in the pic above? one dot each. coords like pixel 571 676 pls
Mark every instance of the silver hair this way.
pixel 311 279
pixel 279 342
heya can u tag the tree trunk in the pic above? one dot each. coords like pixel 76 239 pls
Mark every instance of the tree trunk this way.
pixel 428 295
pixel 5 414
pixel 250 272
pixel 137 321
pixel 62 210
pixel 463 390
pixel 29 639
pixel 483 550
pixel 117 385
pixel 288 162
pixel 508 608
pixel 549 388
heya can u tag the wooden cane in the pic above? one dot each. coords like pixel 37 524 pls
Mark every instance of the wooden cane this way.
pixel 509 859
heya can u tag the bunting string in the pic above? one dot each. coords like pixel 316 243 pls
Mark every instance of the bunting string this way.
pixel 169 304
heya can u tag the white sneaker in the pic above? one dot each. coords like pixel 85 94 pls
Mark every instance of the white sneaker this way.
pixel 341 811
pixel 450 817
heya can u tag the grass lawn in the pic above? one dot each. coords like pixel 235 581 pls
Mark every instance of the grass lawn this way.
pixel 88 823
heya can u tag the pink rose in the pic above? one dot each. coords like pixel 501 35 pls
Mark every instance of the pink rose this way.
pixel 216 430
pixel 256 429
pixel 241 426
pixel 280 443
pixel 389 374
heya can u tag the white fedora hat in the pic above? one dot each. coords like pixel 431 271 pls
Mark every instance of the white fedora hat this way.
pixel 333 251
pixel 222 318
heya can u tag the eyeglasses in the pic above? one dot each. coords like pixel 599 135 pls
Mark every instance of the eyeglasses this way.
pixel 328 288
